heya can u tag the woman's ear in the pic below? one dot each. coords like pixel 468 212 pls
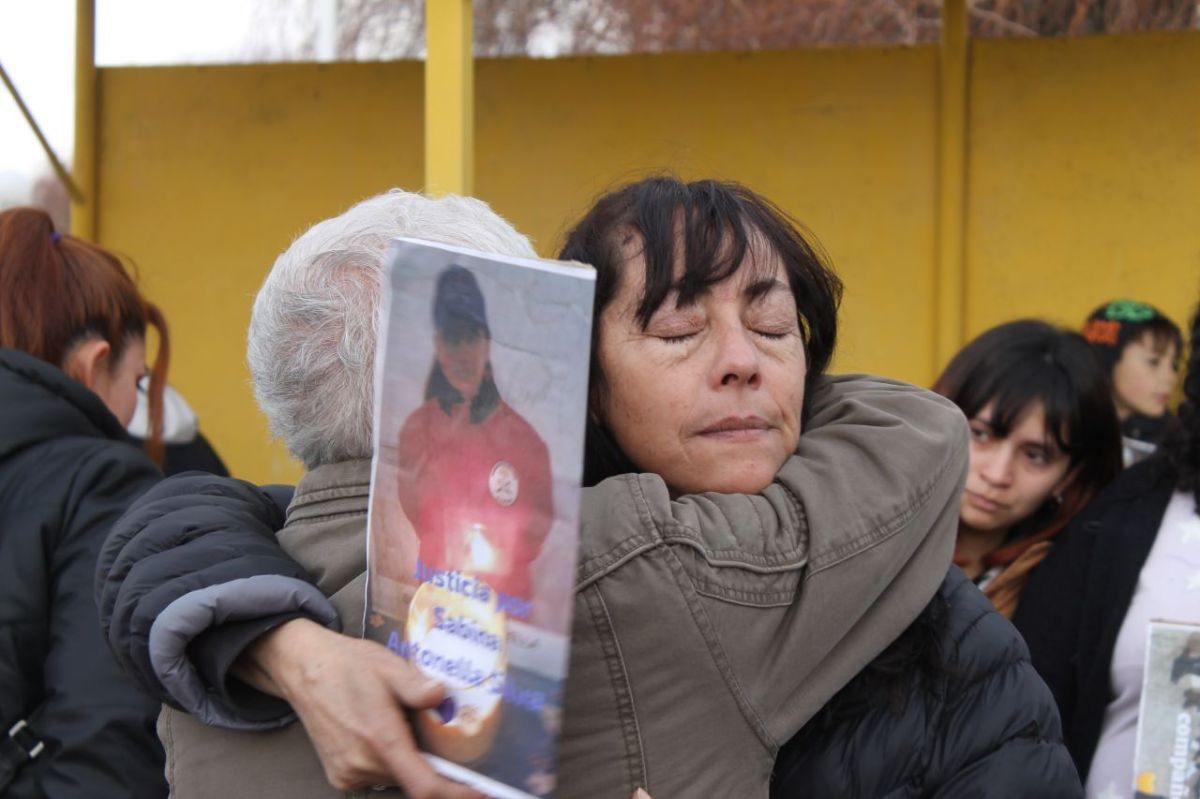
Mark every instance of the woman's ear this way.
pixel 88 362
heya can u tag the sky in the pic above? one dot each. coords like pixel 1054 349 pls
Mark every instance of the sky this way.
pixel 37 49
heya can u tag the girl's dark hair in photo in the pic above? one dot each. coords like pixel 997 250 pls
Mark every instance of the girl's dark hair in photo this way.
pixel 486 400
pixel 719 225
pixel 1015 365
pixel 1182 445
pixel 460 317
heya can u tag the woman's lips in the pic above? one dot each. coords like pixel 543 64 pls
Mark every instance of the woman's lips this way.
pixel 983 503
pixel 737 428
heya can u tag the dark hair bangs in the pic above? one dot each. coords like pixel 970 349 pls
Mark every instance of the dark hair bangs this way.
pixel 1017 363
pixel 723 228
pixel 1164 333
pixel 711 226
pixel 1013 389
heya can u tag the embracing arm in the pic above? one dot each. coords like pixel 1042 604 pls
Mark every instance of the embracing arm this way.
pixel 188 577
pixel 204 607
pixel 798 588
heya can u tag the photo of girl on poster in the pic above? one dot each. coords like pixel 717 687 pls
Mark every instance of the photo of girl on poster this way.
pixel 476 481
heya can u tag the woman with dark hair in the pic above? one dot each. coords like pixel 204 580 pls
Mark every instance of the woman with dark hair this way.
pixel 466 449
pixel 1129 557
pixel 1139 347
pixel 72 352
pixel 1044 440
pixel 734 573
pixel 951 707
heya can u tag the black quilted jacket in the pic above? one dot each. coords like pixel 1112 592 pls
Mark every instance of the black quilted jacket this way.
pixel 66 473
pixel 953 709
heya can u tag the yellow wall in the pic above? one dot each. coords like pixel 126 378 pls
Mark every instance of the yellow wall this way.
pixel 206 174
pixel 1083 159
pixel 1084 176
pixel 844 140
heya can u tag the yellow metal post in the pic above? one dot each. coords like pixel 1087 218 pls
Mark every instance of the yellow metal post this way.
pixel 449 97
pixel 950 276
pixel 83 211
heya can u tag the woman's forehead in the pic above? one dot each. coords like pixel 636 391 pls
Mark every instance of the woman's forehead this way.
pixel 760 269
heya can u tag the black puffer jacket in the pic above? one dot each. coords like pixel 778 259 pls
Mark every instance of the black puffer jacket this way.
pixel 66 473
pixel 952 709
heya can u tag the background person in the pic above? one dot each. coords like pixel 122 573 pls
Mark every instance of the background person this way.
pixel 1140 349
pixel 1043 440
pixel 754 609
pixel 1131 556
pixel 72 350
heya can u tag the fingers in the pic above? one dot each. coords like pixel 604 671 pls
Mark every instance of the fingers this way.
pixel 640 793
pixel 411 685
pixel 397 749
pixel 350 695
pixel 420 781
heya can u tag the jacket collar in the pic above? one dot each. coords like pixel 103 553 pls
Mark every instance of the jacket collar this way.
pixel 1153 474
pixel 333 488
pixel 40 403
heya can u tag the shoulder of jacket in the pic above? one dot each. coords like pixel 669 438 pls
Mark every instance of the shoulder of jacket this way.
pixel 1143 489
pixel 72 463
pixel 979 642
pixel 1153 474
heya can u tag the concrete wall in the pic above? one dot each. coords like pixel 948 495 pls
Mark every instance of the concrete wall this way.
pixel 1083 178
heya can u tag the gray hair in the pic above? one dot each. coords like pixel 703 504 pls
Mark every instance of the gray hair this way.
pixel 311 345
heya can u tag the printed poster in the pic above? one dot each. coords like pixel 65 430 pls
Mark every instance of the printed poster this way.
pixel 1168 734
pixel 481 396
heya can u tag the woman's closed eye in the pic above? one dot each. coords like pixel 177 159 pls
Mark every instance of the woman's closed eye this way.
pixel 676 338
pixel 675 328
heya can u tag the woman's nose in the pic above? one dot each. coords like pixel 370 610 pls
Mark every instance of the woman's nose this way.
pixel 997 467
pixel 737 358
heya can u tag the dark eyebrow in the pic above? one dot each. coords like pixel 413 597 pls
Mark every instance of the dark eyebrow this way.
pixel 761 288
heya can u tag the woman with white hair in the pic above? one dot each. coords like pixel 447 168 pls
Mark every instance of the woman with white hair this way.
pixel 724 594
pixel 311 350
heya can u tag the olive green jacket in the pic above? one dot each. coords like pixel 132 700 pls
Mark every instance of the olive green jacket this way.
pixel 707 629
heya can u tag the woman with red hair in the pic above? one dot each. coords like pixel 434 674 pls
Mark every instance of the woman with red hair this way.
pixel 72 355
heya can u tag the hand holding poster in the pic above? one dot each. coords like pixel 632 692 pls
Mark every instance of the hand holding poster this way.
pixel 481 395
